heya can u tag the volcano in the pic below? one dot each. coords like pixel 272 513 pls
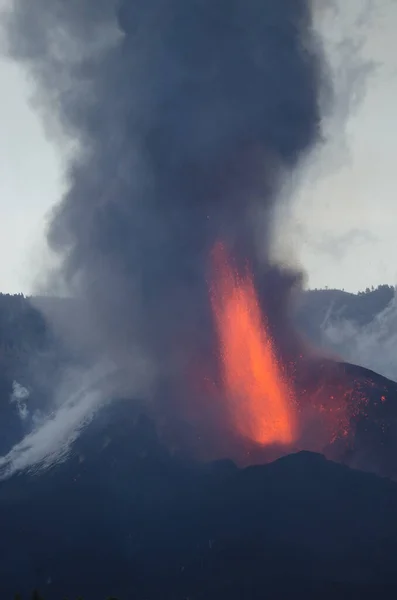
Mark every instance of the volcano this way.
pixel 122 515
pixel 268 393
pixel 187 119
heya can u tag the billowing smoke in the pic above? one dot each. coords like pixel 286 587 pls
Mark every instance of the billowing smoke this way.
pixel 186 116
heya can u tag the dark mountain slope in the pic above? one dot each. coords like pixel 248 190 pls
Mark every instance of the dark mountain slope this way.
pixel 315 306
pixel 122 516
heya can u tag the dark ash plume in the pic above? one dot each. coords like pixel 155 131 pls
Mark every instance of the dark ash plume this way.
pixel 188 113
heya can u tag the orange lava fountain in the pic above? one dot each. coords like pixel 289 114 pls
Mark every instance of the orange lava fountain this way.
pixel 259 402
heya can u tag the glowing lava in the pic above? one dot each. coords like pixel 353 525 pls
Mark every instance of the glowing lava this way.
pixel 259 402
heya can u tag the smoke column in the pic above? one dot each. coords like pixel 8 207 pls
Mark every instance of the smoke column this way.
pixel 187 115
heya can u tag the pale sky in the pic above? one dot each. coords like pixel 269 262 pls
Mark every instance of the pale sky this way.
pixel 30 181
pixel 344 221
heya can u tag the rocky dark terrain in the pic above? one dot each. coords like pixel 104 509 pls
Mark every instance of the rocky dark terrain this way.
pixel 124 516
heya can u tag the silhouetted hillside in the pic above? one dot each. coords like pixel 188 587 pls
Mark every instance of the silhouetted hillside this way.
pixel 32 355
pixel 35 356
pixel 123 517
pixel 24 333
pixel 316 306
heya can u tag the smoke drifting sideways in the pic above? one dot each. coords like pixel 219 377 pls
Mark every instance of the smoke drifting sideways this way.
pixel 187 116
pixel 372 345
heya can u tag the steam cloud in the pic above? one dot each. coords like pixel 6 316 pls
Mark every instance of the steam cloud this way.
pixel 187 115
pixel 19 397
pixel 372 346
pixel 52 435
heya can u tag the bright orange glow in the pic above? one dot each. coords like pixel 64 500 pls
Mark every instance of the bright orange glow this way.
pixel 259 401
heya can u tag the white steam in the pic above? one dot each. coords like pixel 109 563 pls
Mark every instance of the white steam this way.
pixel 373 346
pixel 52 435
pixel 19 397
